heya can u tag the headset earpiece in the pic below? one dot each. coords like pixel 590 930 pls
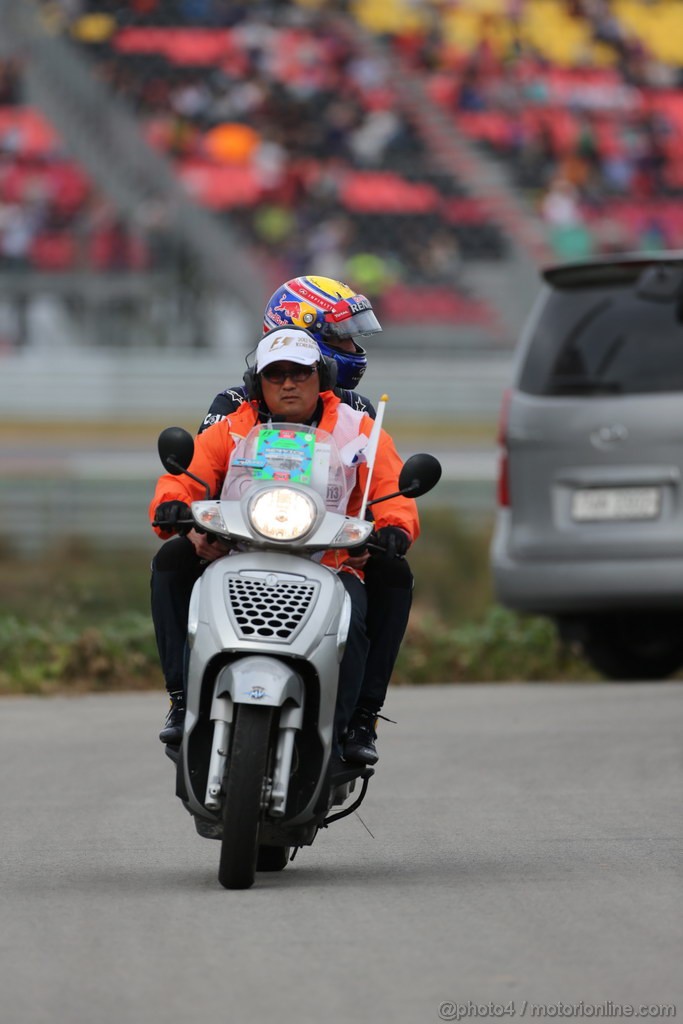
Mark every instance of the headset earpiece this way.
pixel 252 383
pixel 328 373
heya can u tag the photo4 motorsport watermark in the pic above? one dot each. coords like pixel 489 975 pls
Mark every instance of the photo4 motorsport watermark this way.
pixel 451 1010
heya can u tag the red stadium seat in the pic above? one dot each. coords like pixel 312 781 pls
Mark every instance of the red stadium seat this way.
pixel 383 192
pixel 26 133
pixel 195 46
pixel 53 251
pixel 220 187
pixel 433 304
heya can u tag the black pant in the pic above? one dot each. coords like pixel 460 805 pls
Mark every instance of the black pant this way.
pixel 389 586
pixel 175 570
pixel 380 616
pixel 355 656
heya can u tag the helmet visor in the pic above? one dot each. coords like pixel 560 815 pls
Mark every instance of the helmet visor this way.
pixel 350 318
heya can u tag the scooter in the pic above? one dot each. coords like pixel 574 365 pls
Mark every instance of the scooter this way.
pixel 266 633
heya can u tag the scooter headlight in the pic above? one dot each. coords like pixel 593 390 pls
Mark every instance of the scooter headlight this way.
pixel 281 513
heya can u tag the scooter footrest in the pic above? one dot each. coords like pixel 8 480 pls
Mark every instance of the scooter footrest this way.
pixel 366 775
pixel 349 774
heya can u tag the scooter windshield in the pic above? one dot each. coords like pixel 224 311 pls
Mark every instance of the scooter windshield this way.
pixel 288 453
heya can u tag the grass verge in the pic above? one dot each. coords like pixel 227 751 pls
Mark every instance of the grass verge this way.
pixel 79 621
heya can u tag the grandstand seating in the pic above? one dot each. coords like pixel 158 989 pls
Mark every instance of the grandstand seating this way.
pixel 60 220
pixel 179 76
pixel 294 134
pixel 186 54
pixel 564 90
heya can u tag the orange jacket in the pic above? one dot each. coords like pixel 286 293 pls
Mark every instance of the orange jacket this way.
pixel 214 447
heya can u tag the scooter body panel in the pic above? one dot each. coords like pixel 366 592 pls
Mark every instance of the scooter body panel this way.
pixel 260 622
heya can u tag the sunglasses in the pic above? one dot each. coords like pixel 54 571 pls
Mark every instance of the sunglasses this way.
pixel 277 375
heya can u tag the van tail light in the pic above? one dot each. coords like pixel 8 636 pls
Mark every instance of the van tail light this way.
pixel 503 486
pixel 503 489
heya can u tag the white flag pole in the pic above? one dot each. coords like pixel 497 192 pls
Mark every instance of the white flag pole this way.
pixel 371 451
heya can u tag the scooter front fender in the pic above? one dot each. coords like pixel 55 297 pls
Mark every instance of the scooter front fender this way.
pixel 258 679
pixel 254 679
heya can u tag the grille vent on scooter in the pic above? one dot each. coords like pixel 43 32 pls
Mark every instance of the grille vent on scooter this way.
pixel 266 612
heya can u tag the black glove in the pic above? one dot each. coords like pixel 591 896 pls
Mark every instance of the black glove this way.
pixel 168 514
pixel 393 539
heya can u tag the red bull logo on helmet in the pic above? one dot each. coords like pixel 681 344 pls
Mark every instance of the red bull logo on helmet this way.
pixel 297 312
pixel 289 307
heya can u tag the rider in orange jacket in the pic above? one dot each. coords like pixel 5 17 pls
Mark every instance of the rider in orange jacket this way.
pixel 337 318
pixel 289 374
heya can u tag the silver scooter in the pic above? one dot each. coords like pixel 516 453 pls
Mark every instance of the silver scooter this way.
pixel 266 633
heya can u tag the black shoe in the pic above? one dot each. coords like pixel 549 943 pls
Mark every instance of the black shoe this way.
pixel 361 737
pixel 172 732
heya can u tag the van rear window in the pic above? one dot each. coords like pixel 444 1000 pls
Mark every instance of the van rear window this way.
pixel 605 340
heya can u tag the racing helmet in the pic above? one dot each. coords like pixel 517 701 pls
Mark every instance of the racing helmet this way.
pixel 330 311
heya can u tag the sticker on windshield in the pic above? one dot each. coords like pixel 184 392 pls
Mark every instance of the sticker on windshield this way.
pixel 284 455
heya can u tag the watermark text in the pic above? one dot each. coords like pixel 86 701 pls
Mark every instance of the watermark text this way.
pixel 452 1010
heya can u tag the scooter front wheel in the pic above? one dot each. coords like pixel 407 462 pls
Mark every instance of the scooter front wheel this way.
pixel 243 803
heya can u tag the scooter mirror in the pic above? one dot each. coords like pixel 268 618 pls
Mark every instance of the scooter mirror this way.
pixel 176 449
pixel 419 474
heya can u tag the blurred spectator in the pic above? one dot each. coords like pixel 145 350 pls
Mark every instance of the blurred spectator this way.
pixel 618 171
pixel 610 236
pixel 652 162
pixel 653 237
pixel 273 225
pixel 534 154
pixel 471 95
pixel 445 260
pixel 10 92
pixel 373 137
pixel 19 226
pixel 327 245
pixel 560 209
pixel 372 274
pixel 560 205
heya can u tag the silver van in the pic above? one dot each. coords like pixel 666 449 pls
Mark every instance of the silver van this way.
pixel 589 524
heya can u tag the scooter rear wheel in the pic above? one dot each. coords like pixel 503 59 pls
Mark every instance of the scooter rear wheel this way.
pixel 242 807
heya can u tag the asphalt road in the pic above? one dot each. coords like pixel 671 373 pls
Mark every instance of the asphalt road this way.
pixel 525 851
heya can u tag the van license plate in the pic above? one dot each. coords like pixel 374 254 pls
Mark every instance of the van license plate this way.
pixel 599 504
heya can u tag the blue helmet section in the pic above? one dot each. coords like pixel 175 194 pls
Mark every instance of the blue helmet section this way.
pixel 350 365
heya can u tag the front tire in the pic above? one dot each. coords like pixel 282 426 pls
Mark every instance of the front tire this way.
pixel 243 803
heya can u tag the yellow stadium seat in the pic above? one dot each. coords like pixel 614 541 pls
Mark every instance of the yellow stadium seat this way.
pixel 387 16
pixel 658 25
